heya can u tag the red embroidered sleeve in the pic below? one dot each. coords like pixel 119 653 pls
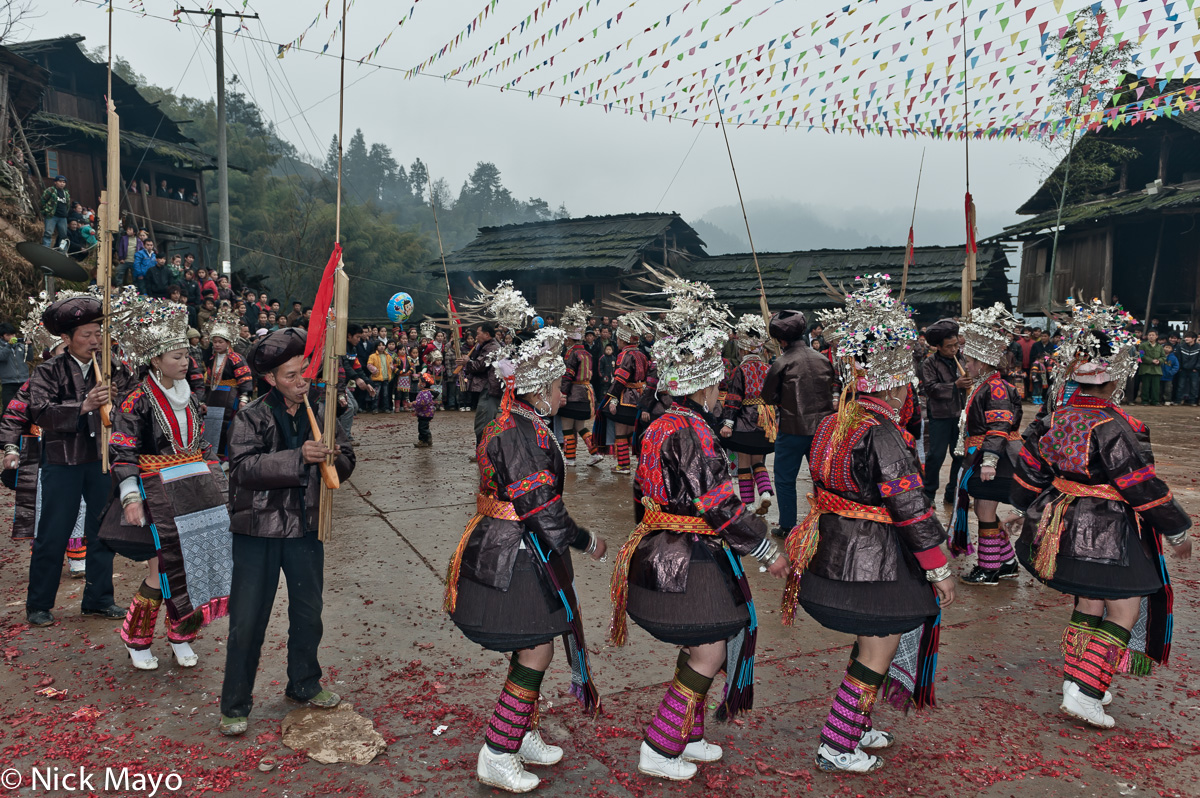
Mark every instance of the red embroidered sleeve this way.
pixel 529 484
pixel 901 485
pixel 714 497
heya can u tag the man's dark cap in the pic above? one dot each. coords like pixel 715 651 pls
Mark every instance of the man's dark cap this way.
pixel 788 326
pixel 273 350
pixel 940 330
pixel 65 315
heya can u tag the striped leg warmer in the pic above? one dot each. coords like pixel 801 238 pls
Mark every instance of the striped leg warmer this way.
pixel 762 479
pixel 994 548
pixel 77 549
pixel 698 718
pixel 186 629
pixel 587 441
pixel 138 628
pixel 746 485
pixel 850 716
pixel 569 444
pixel 623 452
pixel 1093 670
pixel 671 728
pixel 516 709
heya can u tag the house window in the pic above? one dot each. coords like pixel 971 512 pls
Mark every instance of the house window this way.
pixel 52 169
pixel 587 293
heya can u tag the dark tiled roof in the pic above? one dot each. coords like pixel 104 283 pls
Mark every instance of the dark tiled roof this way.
pixel 1132 204
pixel 591 242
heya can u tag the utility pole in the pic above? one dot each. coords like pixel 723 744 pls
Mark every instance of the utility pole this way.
pixel 222 148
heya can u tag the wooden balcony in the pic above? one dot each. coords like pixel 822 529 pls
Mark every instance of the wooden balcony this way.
pixel 173 215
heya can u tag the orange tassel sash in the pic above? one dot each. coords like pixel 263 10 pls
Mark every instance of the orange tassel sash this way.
pixel 1050 528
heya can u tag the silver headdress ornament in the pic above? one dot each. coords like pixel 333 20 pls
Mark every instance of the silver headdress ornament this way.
pixel 428 329
pixel 692 333
pixel 988 332
pixel 634 324
pixel 152 327
pixel 505 306
pixel 575 319
pixel 534 364
pixel 872 336
pixel 41 339
pixel 223 324
pixel 1097 346
pixel 751 331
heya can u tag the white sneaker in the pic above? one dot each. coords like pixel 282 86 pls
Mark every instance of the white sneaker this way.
pixel 702 751
pixel 1089 710
pixel 652 763
pixel 1108 697
pixel 569 463
pixel 77 568
pixel 764 504
pixel 143 660
pixel 857 761
pixel 874 738
pixel 504 771
pixel 184 655
pixel 536 751
pixel 595 459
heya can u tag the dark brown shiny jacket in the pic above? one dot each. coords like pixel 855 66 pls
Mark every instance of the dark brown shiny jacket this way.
pixel 800 383
pixel 521 465
pixel 1095 443
pixel 682 468
pixel 15 421
pixel 578 378
pixel 480 376
pixel 995 413
pixel 274 494
pixel 943 399
pixel 56 393
pixel 744 384
pixel 874 466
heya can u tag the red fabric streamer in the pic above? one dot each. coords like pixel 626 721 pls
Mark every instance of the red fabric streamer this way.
pixel 909 260
pixel 972 247
pixel 314 348
pixel 454 317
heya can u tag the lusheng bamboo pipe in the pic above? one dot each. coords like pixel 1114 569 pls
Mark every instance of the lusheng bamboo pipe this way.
pixel 328 472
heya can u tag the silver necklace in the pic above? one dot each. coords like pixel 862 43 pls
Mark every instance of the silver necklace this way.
pixel 538 423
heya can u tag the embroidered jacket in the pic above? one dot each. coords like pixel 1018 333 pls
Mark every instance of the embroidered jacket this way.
pixel 685 472
pixel 519 463
pixel 576 383
pixel 234 369
pixel 1094 442
pixel 994 414
pixel 745 384
pixel 57 390
pixel 144 423
pixel 632 367
pixel 875 464
pixel 15 421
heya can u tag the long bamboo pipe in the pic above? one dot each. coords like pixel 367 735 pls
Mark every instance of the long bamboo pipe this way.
pixel 328 472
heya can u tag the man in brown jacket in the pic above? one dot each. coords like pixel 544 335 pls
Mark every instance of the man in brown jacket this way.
pixel 65 396
pixel 275 489
pixel 800 383
pixel 944 382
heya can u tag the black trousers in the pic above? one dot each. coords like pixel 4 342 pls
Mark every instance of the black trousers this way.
pixel 256 566
pixel 7 392
pixel 63 487
pixel 423 433
pixel 943 437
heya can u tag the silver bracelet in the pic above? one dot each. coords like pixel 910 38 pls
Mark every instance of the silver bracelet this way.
pixel 1175 540
pixel 1018 511
pixel 991 460
pixel 591 547
pixel 10 448
pixel 766 554
pixel 132 498
pixel 939 574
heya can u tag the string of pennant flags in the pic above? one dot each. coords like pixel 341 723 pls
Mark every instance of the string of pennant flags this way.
pixel 978 68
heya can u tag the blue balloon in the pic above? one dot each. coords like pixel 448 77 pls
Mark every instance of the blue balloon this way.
pixel 538 322
pixel 400 308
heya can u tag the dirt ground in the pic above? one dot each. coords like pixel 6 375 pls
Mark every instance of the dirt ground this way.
pixel 390 650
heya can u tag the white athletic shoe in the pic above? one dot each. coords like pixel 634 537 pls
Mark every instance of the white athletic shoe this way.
pixel 184 655
pixel 652 763
pixel 77 568
pixel 569 463
pixel 874 738
pixel 536 751
pixel 1089 710
pixel 857 761
pixel 595 460
pixel 143 660
pixel 1108 697
pixel 702 751
pixel 764 504
pixel 504 771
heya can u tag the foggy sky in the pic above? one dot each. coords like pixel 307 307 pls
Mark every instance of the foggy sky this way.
pixel 595 163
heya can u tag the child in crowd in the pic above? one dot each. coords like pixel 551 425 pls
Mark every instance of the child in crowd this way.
pixel 415 365
pixel 436 370
pixel 1169 369
pixel 423 407
pixel 379 364
pixel 404 372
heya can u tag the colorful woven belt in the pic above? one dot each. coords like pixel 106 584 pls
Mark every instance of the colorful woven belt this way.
pixel 977 440
pixel 768 419
pixel 1048 539
pixel 653 520
pixel 228 383
pixel 494 508
pixel 1078 489
pixel 153 463
pixel 802 540
pixel 485 507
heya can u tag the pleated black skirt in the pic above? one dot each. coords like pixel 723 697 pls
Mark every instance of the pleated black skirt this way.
pixel 524 616
pixel 1138 577
pixel 711 608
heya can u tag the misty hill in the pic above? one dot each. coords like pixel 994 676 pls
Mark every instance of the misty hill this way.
pixel 785 226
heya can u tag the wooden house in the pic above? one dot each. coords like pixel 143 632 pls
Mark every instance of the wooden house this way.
pixel 559 262
pixel 792 280
pixel 67 134
pixel 1135 239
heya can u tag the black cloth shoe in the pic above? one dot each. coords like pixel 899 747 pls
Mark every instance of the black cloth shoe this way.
pixel 780 532
pixel 39 617
pixel 1010 570
pixel 112 612
pixel 983 576
pixel 948 497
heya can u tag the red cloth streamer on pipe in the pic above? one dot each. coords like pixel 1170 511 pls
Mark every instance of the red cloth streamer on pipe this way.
pixel 972 247
pixel 454 317
pixel 314 347
pixel 909 258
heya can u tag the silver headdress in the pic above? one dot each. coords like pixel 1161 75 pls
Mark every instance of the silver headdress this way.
pixel 428 329
pixel 575 319
pixel 535 364
pixel 505 306
pixel 152 327
pixel 223 324
pixel 988 332
pixel 1097 345
pixel 751 331
pixel 692 333
pixel 634 324
pixel 872 336
pixel 41 339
